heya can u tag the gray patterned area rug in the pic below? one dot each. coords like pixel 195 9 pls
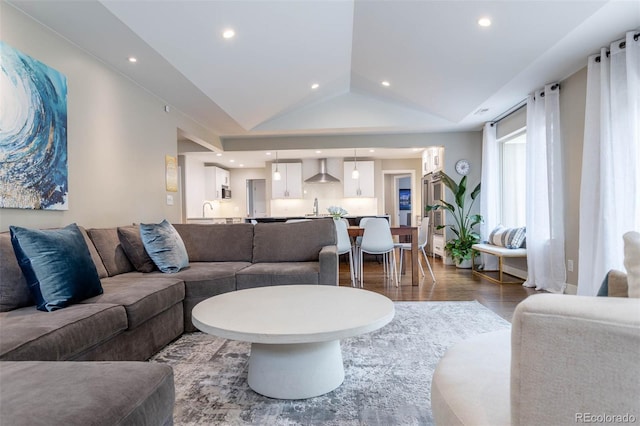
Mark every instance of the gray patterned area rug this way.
pixel 387 373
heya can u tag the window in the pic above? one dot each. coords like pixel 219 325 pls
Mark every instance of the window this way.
pixel 513 154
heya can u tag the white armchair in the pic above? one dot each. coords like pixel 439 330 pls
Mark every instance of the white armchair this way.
pixel 567 360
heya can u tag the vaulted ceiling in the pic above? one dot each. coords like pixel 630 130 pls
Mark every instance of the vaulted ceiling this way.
pixel 444 71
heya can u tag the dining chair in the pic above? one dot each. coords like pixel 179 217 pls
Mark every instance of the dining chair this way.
pixel 344 245
pixel 377 239
pixel 423 234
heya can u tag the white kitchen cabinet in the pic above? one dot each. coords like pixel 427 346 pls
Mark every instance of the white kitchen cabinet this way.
pixel 363 186
pixel 432 159
pixel 215 178
pixel 290 186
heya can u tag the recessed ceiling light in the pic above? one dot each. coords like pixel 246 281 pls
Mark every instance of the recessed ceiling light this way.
pixel 132 59
pixel 484 22
pixel 241 165
pixel 218 155
pixel 318 152
pixel 385 83
pixel 314 86
pixel 372 150
pixel 267 153
pixel 228 33
pixel 232 161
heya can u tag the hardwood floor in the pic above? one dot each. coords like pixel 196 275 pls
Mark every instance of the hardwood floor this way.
pixel 451 284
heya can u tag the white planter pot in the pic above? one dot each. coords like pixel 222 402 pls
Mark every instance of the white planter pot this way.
pixel 447 260
pixel 465 264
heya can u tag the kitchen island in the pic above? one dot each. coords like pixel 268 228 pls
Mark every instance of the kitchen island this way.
pixel 353 220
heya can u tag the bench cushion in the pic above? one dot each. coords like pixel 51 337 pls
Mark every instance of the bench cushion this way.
pixel 86 393
pixel 499 251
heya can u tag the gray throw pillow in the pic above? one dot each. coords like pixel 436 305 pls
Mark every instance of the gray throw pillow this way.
pixel 131 243
pixel 165 246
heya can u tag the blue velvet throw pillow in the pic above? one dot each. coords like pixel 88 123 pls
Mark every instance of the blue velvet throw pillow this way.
pixel 164 246
pixel 57 265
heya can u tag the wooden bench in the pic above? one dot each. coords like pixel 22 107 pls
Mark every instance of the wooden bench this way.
pixel 500 253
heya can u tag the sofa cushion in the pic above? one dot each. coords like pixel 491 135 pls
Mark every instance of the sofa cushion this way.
pixel 217 243
pixel 208 279
pixel 282 273
pixel 95 256
pixel 57 265
pixel 142 295
pixel 86 393
pixel 165 246
pixel 29 334
pixel 108 245
pixel 14 291
pixel 292 242
pixel 131 242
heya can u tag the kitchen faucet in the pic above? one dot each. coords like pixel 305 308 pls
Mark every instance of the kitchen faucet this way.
pixel 315 207
pixel 205 205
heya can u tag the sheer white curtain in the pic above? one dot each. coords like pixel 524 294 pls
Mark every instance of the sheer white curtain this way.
pixel 545 192
pixel 490 179
pixel 610 186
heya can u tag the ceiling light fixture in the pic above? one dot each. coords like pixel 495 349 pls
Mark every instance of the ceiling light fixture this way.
pixel 132 59
pixel 484 22
pixel 229 33
pixel 314 86
pixel 385 83
pixel 355 174
pixel 218 154
pixel 276 173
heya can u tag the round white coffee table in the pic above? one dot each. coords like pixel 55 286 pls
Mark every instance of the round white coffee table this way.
pixel 295 332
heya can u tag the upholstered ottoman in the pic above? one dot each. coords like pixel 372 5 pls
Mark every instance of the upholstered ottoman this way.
pixel 85 393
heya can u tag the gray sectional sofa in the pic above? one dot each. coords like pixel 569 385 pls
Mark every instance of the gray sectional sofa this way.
pixel 140 312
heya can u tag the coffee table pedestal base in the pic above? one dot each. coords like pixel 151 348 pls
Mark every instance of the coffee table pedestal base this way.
pixel 295 371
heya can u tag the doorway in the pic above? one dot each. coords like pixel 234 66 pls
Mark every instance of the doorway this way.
pixel 400 184
pixel 256 198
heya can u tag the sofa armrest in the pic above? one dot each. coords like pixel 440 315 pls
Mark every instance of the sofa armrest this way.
pixel 573 357
pixel 328 260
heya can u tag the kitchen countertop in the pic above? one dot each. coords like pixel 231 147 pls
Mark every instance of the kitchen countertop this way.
pixel 353 218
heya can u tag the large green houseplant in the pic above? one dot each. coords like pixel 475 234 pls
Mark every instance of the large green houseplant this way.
pixel 459 248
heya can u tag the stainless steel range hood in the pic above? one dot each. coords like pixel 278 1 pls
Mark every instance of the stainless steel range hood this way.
pixel 323 176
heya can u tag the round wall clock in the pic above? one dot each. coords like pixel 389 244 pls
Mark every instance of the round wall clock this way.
pixel 462 167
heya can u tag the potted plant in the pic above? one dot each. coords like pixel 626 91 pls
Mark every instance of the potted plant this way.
pixel 459 248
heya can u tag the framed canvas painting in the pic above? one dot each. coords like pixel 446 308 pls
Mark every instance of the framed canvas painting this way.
pixel 33 133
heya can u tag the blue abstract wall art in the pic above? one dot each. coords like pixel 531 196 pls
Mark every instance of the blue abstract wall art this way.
pixel 33 133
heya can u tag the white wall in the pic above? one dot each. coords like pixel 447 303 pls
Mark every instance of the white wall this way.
pixel 118 136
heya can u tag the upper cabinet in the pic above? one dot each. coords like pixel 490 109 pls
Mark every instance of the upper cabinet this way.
pixel 215 179
pixel 290 185
pixel 433 159
pixel 364 185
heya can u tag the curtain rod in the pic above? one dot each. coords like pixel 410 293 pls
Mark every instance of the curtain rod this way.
pixel 510 111
pixel 622 45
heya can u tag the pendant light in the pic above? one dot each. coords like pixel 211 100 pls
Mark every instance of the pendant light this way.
pixel 276 173
pixel 355 174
